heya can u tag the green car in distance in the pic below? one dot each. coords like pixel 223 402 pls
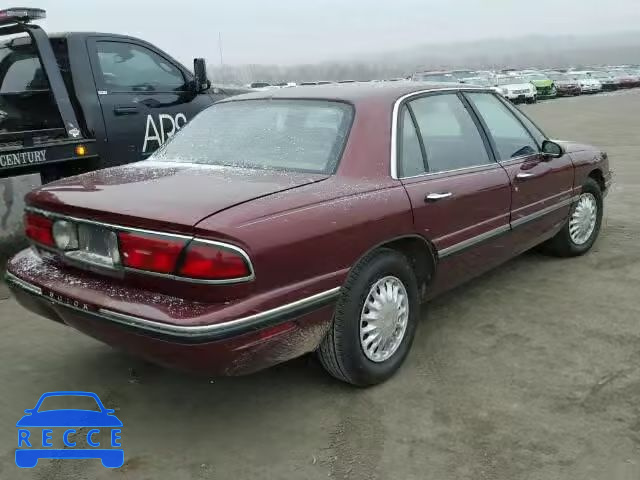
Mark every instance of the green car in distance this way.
pixel 544 85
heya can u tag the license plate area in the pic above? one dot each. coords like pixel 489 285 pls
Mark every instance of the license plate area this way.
pixel 96 246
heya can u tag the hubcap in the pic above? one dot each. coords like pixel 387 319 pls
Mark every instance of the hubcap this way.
pixel 384 318
pixel 583 219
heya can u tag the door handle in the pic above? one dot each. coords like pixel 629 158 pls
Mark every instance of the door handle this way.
pixel 125 110
pixel 434 197
pixel 526 176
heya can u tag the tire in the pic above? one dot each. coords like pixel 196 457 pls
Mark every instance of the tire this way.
pixel 564 244
pixel 341 352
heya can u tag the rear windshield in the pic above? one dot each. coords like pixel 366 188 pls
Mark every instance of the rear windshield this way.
pixel 291 135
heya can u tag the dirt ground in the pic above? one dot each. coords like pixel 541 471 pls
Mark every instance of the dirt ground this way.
pixel 530 372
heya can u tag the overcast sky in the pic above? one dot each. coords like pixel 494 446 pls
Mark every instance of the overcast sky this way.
pixel 308 31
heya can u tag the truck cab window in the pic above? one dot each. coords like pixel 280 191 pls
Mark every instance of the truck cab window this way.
pixel 128 67
pixel 21 70
pixel 26 101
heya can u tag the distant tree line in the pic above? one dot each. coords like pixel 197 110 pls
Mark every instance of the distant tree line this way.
pixel 532 51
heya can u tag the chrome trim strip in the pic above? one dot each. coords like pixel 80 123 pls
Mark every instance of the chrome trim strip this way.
pixel 22 284
pixel 480 168
pixel 119 268
pixel 445 252
pixel 240 325
pixel 545 199
pixel 470 242
pixel 103 224
pixel 541 213
pixel 396 110
pixel 244 323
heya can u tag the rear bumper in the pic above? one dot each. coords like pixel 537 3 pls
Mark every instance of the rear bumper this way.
pixel 242 345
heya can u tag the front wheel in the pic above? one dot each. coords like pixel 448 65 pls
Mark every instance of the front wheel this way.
pixel 583 225
pixel 375 320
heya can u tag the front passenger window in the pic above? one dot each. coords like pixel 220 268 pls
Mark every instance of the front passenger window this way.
pixel 511 139
pixel 127 67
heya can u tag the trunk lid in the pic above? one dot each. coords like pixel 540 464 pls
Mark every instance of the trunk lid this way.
pixel 175 196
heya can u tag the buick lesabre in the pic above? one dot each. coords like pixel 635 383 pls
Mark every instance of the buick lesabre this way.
pixel 313 219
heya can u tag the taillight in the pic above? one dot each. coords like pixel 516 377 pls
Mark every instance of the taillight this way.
pixel 153 253
pixel 39 229
pixel 209 261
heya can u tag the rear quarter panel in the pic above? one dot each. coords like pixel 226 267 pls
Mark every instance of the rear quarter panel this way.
pixel 311 246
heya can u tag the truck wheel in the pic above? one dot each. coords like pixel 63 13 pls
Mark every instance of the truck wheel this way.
pixel 583 225
pixel 375 320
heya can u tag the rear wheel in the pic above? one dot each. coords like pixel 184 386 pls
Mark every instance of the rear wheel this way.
pixel 375 320
pixel 583 225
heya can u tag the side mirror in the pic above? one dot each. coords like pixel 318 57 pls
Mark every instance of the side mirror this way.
pixel 201 82
pixel 552 149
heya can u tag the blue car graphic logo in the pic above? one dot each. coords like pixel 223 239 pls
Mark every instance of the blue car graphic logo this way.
pixel 34 445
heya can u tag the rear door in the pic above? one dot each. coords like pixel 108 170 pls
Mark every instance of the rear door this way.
pixel 144 95
pixel 460 196
pixel 541 186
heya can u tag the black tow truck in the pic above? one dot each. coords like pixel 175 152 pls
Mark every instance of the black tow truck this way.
pixel 75 102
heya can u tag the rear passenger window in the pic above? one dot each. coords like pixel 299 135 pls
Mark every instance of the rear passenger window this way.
pixel 450 136
pixel 512 140
pixel 411 161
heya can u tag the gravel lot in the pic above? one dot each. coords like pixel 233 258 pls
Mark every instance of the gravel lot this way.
pixel 530 372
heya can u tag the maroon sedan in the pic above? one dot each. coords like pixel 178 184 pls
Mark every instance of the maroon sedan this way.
pixel 301 220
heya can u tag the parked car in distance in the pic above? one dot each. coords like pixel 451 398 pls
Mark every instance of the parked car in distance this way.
pixel 544 85
pixel 608 81
pixel 626 78
pixel 460 74
pixel 441 77
pixel 260 86
pixel 485 82
pixel 586 82
pixel 518 89
pixel 306 219
pixel 566 86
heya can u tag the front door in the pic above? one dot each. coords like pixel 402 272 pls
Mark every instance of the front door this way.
pixel 145 97
pixel 460 196
pixel 541 186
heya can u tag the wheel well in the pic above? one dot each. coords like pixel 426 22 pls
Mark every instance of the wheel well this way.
pixel 420 255
pixel 598 177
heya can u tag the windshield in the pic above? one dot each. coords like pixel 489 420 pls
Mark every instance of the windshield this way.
pixel 291 135
pixel 511 80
